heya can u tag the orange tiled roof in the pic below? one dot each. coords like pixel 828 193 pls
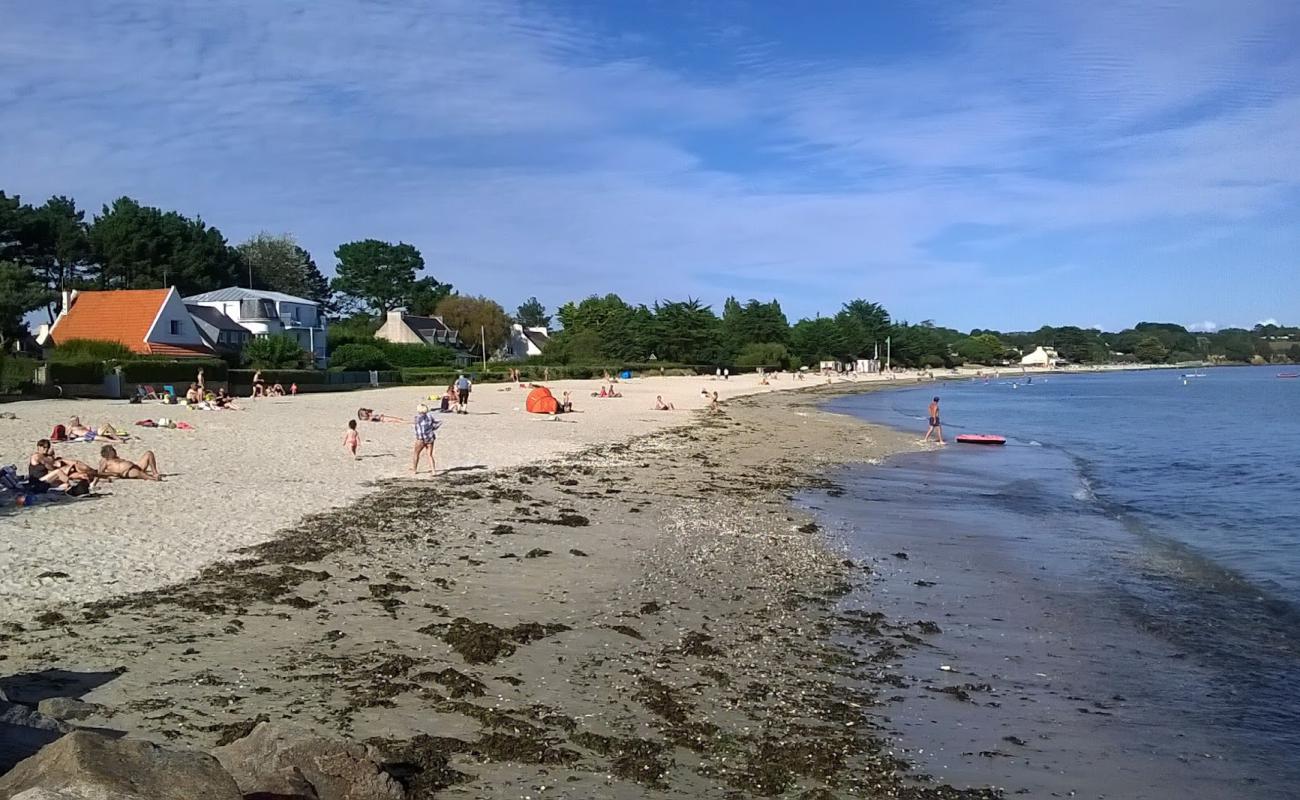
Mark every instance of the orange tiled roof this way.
pixel 122 316
pixel 179 350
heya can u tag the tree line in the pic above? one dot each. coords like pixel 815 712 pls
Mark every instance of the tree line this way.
pixel 47 248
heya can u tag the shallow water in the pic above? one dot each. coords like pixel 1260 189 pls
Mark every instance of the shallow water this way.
pixel 1125 575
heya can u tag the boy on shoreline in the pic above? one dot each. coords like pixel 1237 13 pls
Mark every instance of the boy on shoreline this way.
pixel 935 424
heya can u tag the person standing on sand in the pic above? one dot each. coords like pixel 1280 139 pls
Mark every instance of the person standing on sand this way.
pixel 351 439
pixel 425 435
pixel 935 424
pixel 463 386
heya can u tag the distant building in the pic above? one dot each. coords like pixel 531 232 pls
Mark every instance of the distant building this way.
pixel 525 342
pixel 1041 357
pixel 220 332
pixel 265 313
pixel 405 328
pixel 150 322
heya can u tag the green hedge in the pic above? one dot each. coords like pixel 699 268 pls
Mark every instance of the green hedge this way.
pixel 182 371
pixel 415 355
pixel 441 378
pixel 61 372
pixel 16 373
pixel 302 377
pixel 83 350
pixel 359 357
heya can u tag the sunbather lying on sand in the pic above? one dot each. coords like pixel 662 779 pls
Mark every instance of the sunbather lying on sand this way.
pixel 105 431
pixel 113 466
pixel 370 415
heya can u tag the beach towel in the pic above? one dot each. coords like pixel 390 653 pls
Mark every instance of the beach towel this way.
pixel 184 426
pixel 146 423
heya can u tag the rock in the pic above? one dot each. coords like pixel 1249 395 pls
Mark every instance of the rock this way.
pixel 285 784
pixel 90 765
pixel 337 770
pixel 23 732
pixel 66 708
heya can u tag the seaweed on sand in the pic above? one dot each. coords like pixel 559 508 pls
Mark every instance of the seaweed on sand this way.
pixel 483 642
pixel 640 760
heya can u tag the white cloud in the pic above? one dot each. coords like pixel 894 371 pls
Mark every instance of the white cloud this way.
pixel 520 148
pixel 1203 327
pixel 1268 321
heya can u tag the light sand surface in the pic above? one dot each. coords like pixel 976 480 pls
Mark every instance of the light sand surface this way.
pixel 243 475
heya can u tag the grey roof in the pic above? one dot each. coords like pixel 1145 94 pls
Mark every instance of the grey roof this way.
pixel 431 329
pixel 240 293
pixel 215 318
pixel 538 338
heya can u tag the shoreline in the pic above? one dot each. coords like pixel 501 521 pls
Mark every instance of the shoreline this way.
pixel 648 618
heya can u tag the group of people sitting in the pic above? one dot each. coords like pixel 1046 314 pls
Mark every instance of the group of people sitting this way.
pixel 47 470
pixel 260 389
pixel 197 397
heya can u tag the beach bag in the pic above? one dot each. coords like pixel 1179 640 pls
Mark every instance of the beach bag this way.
pixel 59 434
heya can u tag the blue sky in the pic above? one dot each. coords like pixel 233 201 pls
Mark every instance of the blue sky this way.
pixel 999 164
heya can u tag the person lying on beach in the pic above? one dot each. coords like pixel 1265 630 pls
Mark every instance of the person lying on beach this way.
pixel 370 415
pixel 78 431
pixel 660 405
pixel 113 466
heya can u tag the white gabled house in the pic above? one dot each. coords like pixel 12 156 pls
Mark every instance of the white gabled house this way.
pixel 266 313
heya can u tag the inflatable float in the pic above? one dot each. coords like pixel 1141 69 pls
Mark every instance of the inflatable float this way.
pixel 980 438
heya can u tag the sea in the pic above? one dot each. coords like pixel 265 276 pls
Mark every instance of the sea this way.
pixel 1117 590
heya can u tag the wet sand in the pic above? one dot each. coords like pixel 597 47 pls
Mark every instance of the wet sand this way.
pixel 644 619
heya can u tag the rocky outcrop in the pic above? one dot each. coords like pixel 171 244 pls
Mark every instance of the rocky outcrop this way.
pixel 263 761
pixel 89 765
pixel 24 731
pixel 66 708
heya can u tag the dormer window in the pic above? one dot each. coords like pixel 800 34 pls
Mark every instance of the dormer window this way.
pixel 175 327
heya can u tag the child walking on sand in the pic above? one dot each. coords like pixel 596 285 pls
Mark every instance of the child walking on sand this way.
pixel 351 440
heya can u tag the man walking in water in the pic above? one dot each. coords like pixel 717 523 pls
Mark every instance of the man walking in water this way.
pixel 935 425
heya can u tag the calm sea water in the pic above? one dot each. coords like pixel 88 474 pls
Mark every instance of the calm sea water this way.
pixel 1145 531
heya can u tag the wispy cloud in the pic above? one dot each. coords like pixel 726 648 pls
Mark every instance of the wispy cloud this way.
pixel 537 147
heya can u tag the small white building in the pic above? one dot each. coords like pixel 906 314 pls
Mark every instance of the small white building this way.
pixel 266 313
pixel 1041 357
pixel 525 342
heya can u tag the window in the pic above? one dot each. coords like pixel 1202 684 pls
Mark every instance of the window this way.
pixel 175 327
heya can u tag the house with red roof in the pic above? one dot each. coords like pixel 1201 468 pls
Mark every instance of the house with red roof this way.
pixel 151 322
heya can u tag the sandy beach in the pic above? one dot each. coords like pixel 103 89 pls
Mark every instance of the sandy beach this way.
pixel 241 476
pixel 647 617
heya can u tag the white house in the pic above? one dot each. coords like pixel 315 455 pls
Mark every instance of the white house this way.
pixel 525 342
pixel 271 313
pixel 1041 357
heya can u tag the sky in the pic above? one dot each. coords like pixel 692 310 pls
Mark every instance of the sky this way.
pixel 995 164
